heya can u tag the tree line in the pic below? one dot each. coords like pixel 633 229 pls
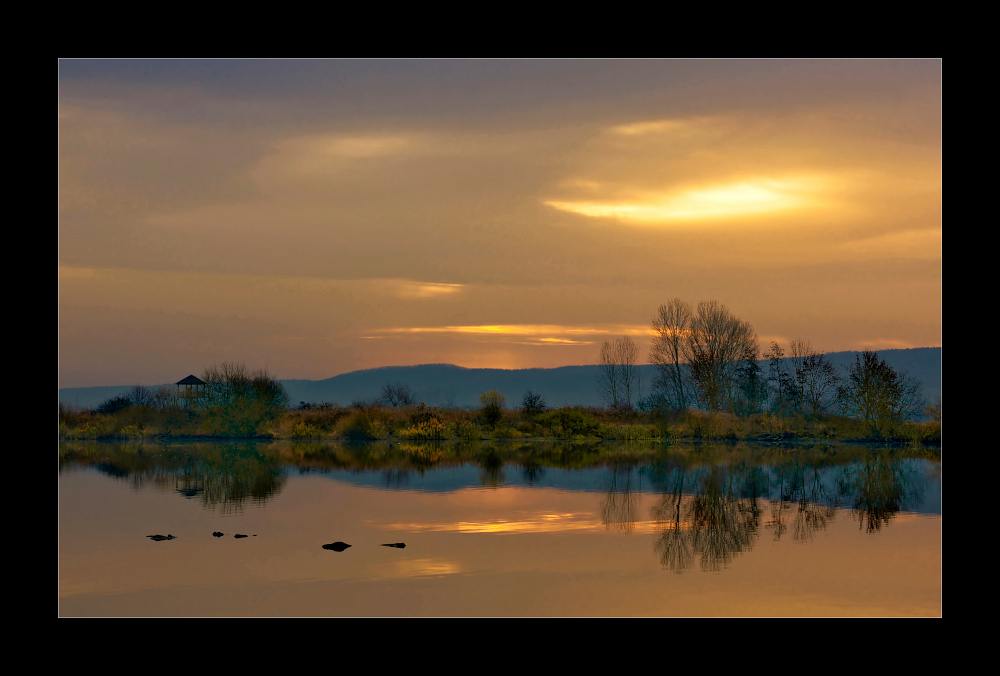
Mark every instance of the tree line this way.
pixel 709 359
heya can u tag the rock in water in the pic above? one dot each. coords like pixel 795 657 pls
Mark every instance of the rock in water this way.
pixel 217 534
pixel 397 545
pixel 238 535
pixel 337 546
pixel 159 538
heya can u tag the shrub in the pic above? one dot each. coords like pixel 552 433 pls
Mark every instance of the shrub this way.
pixel 303 431
pixel 468 431
pixel 421 415
pixel 569 422
pixel 492 403
pixel 426 431
pixel 628 432
pixel 532 404
pixel 362 425
pixel 239 402
pixel 113 405
pixel 130 432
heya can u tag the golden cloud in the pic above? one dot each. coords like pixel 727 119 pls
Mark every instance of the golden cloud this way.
pixel 739 199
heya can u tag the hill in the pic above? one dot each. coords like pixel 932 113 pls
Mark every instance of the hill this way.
pixel 449 385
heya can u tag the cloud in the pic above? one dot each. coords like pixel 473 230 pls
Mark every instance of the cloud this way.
pixel 719 202
pixel 424 290
pixel 523 330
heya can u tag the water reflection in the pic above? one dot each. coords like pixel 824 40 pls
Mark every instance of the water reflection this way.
pixel 618 510
pixel 714 525
pixel 877 487
pixel 222 476
pixel 711 503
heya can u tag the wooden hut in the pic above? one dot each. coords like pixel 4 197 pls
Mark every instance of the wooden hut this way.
pixel 190 389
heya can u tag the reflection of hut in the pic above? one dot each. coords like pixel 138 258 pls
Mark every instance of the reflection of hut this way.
pixel 190 389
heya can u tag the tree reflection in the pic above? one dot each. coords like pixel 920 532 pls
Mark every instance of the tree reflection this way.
pixel 673 547
pixel 717 523
pixel 492 469
pixel 396 478
pixel 801 492
pixel 223 476
pixel 618 510
pixel 877 487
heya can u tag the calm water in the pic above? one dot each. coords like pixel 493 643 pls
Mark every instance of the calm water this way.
pixel 498 529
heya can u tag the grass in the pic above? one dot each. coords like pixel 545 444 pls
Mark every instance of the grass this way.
pixel 423 423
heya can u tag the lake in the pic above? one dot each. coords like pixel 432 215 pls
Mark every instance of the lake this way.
pixel 498 529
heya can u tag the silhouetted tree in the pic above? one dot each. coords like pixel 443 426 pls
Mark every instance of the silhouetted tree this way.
pixel 618 375
pixel 532 404
pixel 817 381
pixel 397 394
pixel 113 405
pixel 493 404
pixel 140 396
pixel 780 381
pixel 671 325
pixel 239 401
pixel 876 394
pixel 751 386
pixel 717 344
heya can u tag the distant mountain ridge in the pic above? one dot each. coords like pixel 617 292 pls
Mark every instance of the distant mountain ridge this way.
pixel 450 385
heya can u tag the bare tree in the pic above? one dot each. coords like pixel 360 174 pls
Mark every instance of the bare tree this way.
pixel 716 345
pixel 618 377
pixel 671 325
pixel 532 404
pixel 607 376
pixel 140 396
pixel 816 378
pixel 782 388
pixel 241 401
pixel 165 397
pixel 397 394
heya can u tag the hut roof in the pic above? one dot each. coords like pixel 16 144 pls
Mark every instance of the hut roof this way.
pixel 191 380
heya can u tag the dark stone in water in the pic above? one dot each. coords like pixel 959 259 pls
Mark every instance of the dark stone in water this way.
pixel 217 534
pixel 337 546
pixel 240 536
pixel 397 545
pixel 159 538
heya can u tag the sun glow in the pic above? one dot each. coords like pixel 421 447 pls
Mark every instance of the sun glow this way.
pixel 531 523
pixel 732 200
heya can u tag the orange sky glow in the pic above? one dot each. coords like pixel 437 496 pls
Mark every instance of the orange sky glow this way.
pixel 321 217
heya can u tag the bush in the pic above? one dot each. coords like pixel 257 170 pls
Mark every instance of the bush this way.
pixel 430 430
pixel 242 403
pixel 493 404
pixel 303 431
pixel 532 404
pixel 421 415
pixel 469 431
pixel 363 425
pixel 113 405
pixel 628 432
pixel 569 422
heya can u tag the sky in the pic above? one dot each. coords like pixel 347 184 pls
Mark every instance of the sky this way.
pixel 320 217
